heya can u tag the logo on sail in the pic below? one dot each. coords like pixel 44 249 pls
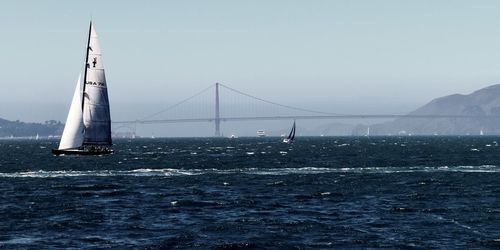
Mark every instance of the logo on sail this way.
pixel 100 84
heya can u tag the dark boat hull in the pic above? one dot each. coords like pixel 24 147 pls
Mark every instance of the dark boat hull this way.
pixel 81 152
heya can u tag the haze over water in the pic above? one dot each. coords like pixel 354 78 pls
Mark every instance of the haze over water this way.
pixel 383 56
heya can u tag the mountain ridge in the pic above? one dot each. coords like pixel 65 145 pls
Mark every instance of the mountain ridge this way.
pixel 483 102
pixel 24 129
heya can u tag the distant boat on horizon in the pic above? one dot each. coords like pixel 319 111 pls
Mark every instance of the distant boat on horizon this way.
pixel 88 126
pixel 261 133
pixel 291 136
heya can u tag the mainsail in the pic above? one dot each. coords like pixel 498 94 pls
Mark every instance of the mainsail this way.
pixel 96 115
pixel 72 136
pixel 290 136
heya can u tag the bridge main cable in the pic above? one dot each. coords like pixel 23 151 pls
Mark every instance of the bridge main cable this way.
pixel 278 104
pixel 177 104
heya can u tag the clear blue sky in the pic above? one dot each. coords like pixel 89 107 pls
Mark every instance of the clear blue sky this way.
pixel 347 56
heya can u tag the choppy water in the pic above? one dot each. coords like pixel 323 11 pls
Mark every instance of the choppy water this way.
pixel 245 193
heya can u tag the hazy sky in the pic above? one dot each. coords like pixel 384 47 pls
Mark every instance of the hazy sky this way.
pixel 343 56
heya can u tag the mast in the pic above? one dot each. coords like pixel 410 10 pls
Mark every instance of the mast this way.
pixel 86 65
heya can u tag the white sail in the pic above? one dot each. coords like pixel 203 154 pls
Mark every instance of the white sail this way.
pixel 72 136
pixel 96 115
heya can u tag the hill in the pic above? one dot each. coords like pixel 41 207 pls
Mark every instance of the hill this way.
pixel 480 103
pixel 23 129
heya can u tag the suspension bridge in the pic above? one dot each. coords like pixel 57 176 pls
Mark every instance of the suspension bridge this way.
pixel 208 106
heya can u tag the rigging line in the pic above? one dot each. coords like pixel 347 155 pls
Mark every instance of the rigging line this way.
pixel 277 104
pixel 177 104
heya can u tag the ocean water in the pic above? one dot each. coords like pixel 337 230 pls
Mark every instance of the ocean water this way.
pixel 254 193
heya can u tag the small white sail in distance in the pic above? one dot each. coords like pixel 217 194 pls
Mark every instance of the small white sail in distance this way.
pixel 72 136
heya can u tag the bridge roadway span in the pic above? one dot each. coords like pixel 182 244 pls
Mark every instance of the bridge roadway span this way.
pixel 309 117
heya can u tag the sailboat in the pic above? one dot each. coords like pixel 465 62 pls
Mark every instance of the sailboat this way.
pixel 291 136
pixel 88 126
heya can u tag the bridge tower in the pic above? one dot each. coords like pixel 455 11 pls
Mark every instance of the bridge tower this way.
pixel 217 113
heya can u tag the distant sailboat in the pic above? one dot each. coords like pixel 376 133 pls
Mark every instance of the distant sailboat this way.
pixel 261 133
pixel 88 127
pixel 291 136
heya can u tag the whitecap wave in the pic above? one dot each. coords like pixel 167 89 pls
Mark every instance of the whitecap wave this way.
pixel 251 171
